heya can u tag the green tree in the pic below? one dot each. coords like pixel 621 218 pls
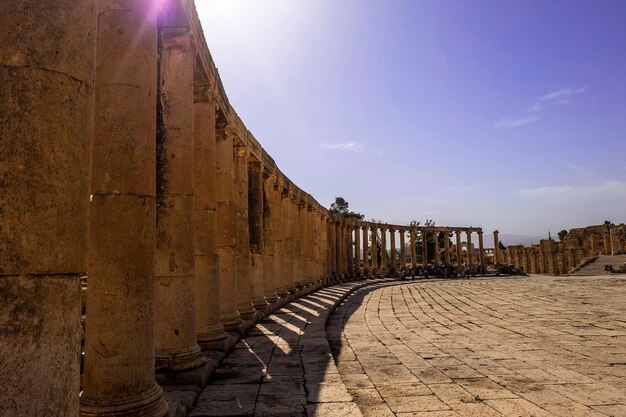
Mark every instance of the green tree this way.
pixel 342 208
pixel 562 235
pixel 501 245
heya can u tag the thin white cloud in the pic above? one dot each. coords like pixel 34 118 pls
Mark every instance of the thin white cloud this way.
pixel 613 190
pixel 561 96
pixel 344 146
pixel 515 122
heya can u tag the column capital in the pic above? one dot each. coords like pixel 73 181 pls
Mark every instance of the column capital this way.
pixel 240 151
pixel 205 94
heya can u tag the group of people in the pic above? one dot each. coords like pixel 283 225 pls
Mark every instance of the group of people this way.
pixel 442 271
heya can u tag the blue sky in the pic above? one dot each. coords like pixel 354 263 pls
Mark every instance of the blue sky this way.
pixel 500 114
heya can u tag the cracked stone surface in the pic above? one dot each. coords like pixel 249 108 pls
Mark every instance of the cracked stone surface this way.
pixel 283 367
pixel 534 346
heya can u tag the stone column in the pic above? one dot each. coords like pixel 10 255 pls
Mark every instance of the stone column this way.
pixel 437 249
pixel 366 263
pixel 119 341
pixel 298 245
pixel 47 57
pixel 374 251
pixel 470 251
pixel 174 294
pixel 383 251
pixel 571 259
pixel 277 216
pixel 271 282
pixel 338 247
pixel 332 245
pixel 424 247
pixel 413 248
pixel 243 261
pixel 496 249
pixel 392 251
pixel 255 227
pixel 357 250
pixel 402 249
pixel 446 248
pixel 349 249
pixel 209 326
pixel 481 250
pixel 288 241
pixel 226 228
pixel 459 251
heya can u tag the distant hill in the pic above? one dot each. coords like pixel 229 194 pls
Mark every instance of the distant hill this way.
pixel 521 239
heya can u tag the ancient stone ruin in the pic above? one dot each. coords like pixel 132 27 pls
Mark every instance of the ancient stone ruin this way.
pixel 134 198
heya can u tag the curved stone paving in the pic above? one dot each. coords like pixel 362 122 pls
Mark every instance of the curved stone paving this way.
pixel 283 366
pixel 532 346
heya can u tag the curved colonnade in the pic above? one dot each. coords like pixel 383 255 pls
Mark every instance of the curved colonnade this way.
pixel 123 160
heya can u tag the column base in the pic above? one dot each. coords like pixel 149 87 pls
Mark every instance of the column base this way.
pixel 246 311
pixel 176 360
pixel 149 403
pixel 211 335
pixel 231 322
pixel 198 376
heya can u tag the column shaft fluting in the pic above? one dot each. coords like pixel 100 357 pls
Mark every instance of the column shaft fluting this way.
pixel 119 341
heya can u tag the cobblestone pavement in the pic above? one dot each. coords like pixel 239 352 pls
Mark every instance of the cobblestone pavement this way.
pixel 532 346
pixel 283 367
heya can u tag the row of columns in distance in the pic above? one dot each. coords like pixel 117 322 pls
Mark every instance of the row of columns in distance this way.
pixel 351 255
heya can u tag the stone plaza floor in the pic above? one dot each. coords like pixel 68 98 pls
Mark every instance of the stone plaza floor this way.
pixel 531 346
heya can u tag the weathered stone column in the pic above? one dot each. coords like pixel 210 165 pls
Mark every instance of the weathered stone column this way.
pixel 348 249
pixel 271 283
pixel 226 227
pixel 243 261
pixel 298 261
pixel 278 230
pixel 174 293
pixel 392 253
pixel 47 58
pixel 255 227
pixel 402 250
pixel 437 248
pixel 446 248
pixel 338 257
pixel 374 251
pixel 384 266
pixel 209 327
pixel 413 248
pixel 332 246
pixel 571 259
pixel 119 341
pixel 481 250
pixel 470 251
pixel 288 241
pixel 344 250
pixel 424 247
pixel 496 249
pixel 459 249
pixel 357 250
pixel 366 263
